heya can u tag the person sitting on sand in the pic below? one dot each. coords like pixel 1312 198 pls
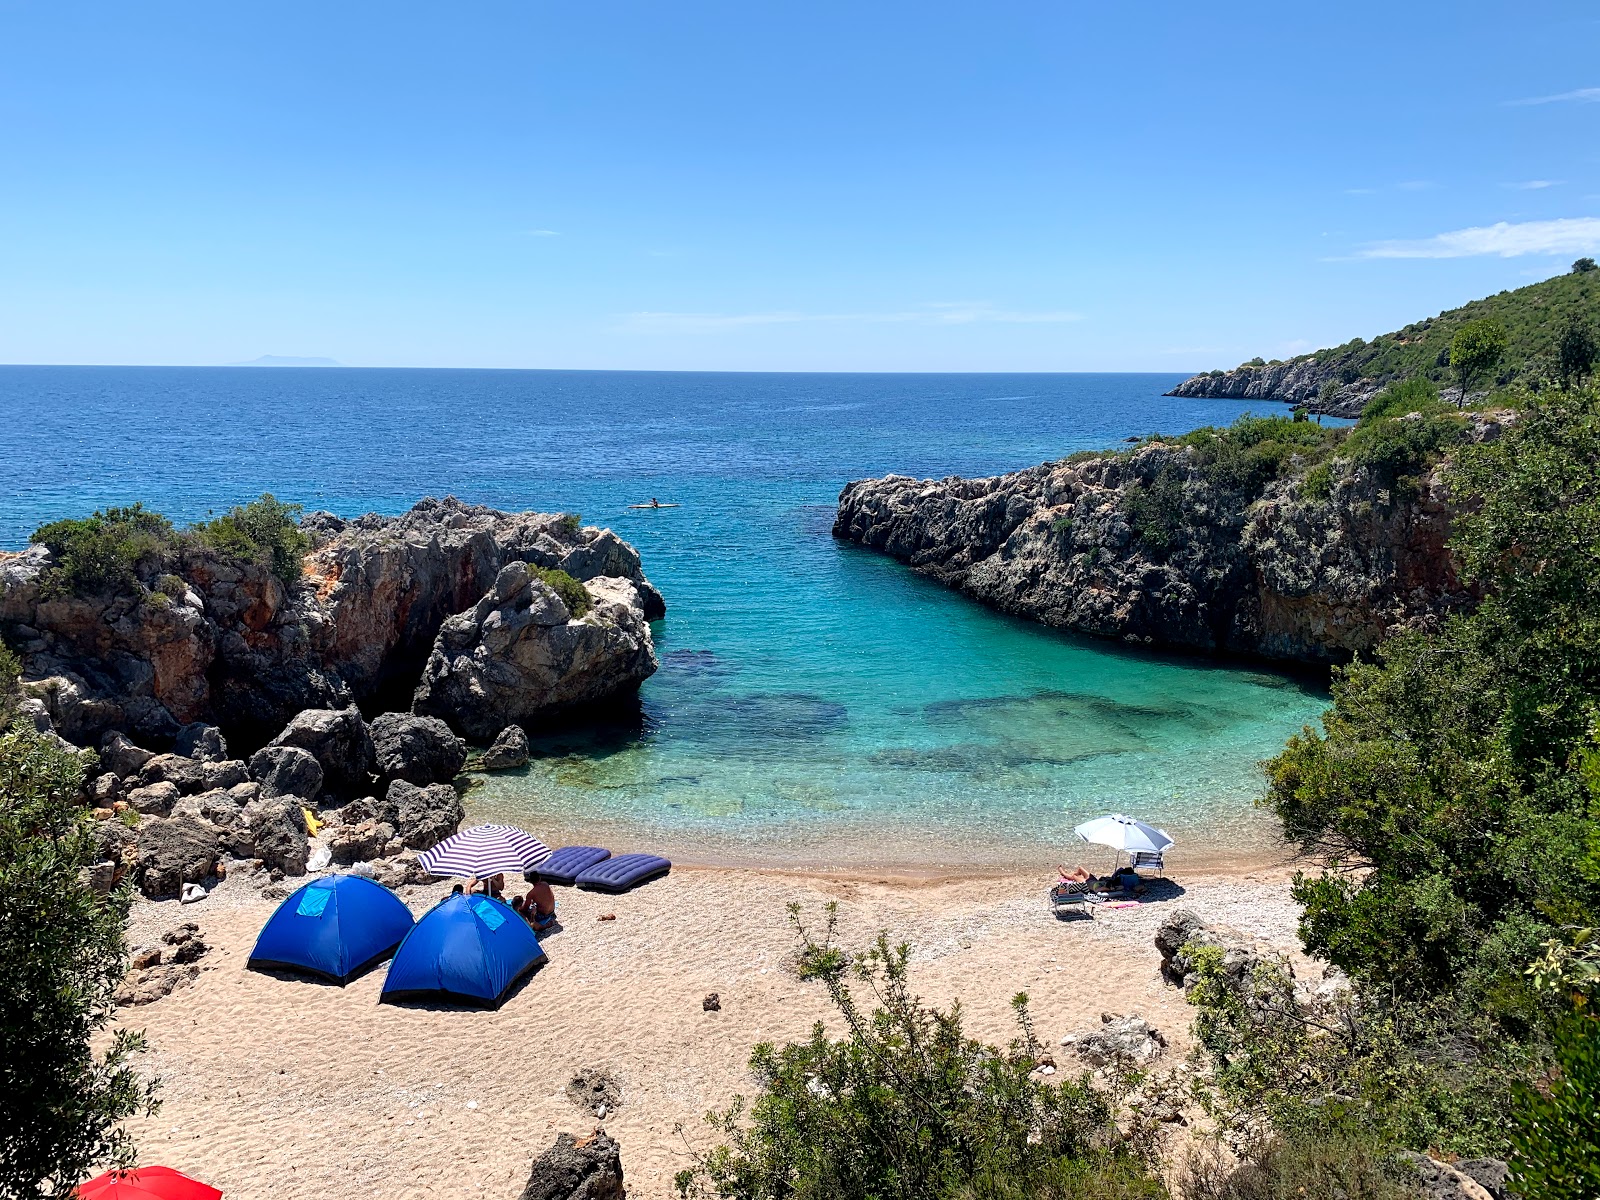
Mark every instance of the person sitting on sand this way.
pixel 1076 875
pixel 516 905
pixel 539 905
pixel 457 890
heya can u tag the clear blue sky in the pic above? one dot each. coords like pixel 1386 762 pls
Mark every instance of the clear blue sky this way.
pixel 769 184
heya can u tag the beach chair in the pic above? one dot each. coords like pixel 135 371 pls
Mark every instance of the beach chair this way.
pixel 1148 864
pixel 1070 896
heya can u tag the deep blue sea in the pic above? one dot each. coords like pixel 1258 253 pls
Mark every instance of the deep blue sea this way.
pixel 817 704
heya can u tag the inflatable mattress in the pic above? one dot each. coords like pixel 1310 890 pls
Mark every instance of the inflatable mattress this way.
pixel 567 863
pixel 623 872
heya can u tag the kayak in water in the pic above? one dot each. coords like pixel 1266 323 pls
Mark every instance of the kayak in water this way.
pixel 654 503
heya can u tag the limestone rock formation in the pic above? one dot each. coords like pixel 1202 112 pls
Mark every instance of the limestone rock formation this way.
pixel 201 741
pixel 287 771
pixel 1119 1044
pixel 1301 381
pixel 230 645
pixel 422 816
pixel 1289 576
pixel 338 740
pixel 174 851
pixel 519 655
pixel 578 1169
pixel 508 751
pixel 420 750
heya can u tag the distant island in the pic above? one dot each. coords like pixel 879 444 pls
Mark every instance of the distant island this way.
pixel 288 360
pixel 1339 380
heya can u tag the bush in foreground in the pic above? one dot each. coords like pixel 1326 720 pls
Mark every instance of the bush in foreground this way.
pixel 906 1105
pixel 61 958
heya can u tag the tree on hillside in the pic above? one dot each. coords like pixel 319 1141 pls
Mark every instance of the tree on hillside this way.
pixel 1576 353
pixel 1583 266
pixel 61 958
pixel 1475 350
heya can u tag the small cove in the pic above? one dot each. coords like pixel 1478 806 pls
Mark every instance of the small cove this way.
pixel 817 705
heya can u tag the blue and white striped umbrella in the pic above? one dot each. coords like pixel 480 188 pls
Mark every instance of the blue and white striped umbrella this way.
pixel 484 850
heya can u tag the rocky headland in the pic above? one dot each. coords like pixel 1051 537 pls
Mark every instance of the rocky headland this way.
pixel 1312 572
pixel 229 716
pixel 1319 387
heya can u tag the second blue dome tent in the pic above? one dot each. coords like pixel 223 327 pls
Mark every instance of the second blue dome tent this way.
pixel 469 950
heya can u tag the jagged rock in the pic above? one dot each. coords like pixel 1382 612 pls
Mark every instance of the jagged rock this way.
pixel 37 714
pixel 1285 576
pixel 287 771
pixel 115 841
pixel 508 751
pixel 595 1090
pixel 102 877
pixel 401 869
pixel 362 842
pixel 226 773
pixel 201 741
pixel 338 739
pixel 1121 1043
pixel 236 647
pixel 1298 381
pixel 155 800
pixel 423 816
pixel 217 807
pixel 187 945
pixel 273 829
pixel 1437 1180
pixel 121 757
pixel 106 790
pixel 153 983
pixel 578 1169
pixel 1242 955
pixel 420 750
pixel 174 851
pixel 519 654
pixel 185 774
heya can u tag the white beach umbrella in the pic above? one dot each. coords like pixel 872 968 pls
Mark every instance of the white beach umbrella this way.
pixel 1123 833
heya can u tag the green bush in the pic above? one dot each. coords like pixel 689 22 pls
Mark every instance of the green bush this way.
pixel 1155 512
pixel 569 523
pixel 265 531
pixel 101 554
pixel 1061 526
pixel 1291 1168
pixel 1556 1120
pixel 573 594
pixel 1243 458
pixel 906 1106
pixel 62 1101
pixel 10 673
pixel 1318 483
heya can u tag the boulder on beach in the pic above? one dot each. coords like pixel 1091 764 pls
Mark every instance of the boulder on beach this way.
pixel 201 741
pixel 520 655
pixel 287 771
pixel 578 1169
pixel 423 816
pixel 340 742
pixel 508 751
pixel 174 851
pixel 420 750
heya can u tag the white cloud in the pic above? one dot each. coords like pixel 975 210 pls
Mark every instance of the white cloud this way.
pixel 1416 185
pixel 1580 95
pixel 1568 235
pixel 540 233
pixel 927 314
pixel 1533 185
pixel 1361 191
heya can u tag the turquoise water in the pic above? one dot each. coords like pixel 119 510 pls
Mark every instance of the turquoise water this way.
pixel 817 704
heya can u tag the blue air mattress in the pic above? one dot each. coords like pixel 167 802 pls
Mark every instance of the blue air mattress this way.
pixel 623 872
pixel 566 864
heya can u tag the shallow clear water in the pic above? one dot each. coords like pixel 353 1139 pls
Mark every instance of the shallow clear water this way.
pixel 817 704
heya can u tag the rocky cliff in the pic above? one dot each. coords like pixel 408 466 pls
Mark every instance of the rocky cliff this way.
pixel 212 640
pixel 1290 575
pixel 1300 381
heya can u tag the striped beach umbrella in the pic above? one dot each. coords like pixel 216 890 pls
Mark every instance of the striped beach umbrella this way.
pixel 484 850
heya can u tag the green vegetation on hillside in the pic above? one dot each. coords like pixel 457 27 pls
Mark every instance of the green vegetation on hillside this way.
pixel 1533 319
pixel 573 594
pixel 115 548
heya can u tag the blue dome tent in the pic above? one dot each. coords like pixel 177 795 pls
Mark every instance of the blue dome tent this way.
pixel 464 950
pixel 335 927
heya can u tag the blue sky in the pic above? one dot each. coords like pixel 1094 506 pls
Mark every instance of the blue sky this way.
pixel 777 185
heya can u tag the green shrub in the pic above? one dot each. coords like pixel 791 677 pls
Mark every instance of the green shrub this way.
pixel 906 1106
pixel 265 531
pixel 1061 526
pixel 1083 456
pixel 1318 483
pixel 1417 394
pixel 173 586
pixel 1155 512
pixel 101 554
pixel 1292 1168
pixel 569 523
pixel 573 594
pixel 1556 1120
pixel 158 600
pixel 66 1085
pixel 10 673
pixel 1243 458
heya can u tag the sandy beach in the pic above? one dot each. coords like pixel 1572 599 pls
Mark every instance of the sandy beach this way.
pixel 298 1089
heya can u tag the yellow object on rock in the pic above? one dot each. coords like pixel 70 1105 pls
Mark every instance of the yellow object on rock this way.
pixel 312 824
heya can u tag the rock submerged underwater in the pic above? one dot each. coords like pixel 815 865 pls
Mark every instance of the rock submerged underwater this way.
pixel 1286 576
